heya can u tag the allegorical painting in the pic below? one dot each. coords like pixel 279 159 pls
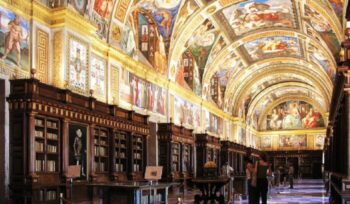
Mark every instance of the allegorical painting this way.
pixel 219 45
pixel 294 115
pixel 187 9
pixel 14 39
pixel 101 14
pixel 201 42
pixel 191 67
pixel 98 76
pixel 218 85
pixel 323 28
pixel 142 93
pixel 77 148
pixel 319 57
pixel 77 72
pixel 162 12
pixel 213 123
pixel 265 142
pixel 186 113
pixel 258 14
pixel 275 46
pixel 292 141
pixel 153 23
pixel 80 6
pixel 338 8
pixel 319 141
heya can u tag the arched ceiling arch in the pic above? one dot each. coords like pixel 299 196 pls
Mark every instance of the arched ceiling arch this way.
pixel 252 40
pixel 265 84
pixel 242 87
pixel 277 91
pixel 231 52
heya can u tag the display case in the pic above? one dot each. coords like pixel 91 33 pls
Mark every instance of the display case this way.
pixel 176 145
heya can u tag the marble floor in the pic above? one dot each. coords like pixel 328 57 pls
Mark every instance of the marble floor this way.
pixel 305 191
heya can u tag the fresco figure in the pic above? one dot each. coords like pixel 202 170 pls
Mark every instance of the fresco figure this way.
pixel 76 63
pixel 292 119
pixel 13 39
pixel 103 8
pixel 250 15
pixel 312 119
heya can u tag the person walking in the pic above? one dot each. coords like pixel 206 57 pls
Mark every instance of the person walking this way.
pixel 251 186
pixel 262 171
pixel 291 175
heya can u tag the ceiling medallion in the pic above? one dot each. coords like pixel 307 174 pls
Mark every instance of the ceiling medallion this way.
pixel 211 9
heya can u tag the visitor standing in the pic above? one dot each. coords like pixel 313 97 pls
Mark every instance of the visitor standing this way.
pixel 262 171
pixel 291 175
pixel 251 184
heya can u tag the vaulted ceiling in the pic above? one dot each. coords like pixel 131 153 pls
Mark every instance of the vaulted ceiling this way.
pixel 261 53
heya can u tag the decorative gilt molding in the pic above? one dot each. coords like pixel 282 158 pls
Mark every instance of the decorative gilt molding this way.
pixel 58 80
pixel 42 55
pixel 114 82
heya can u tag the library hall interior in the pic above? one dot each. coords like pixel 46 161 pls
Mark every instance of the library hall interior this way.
pixel 174 101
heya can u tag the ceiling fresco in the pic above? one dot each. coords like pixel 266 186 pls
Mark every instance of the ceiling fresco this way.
pixel 258 14
pixel 228 52
pixel 274 46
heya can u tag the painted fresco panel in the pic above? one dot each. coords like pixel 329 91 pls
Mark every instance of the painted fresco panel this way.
pixel 186 113
pixel 77 73
pixel 101 14
pixel 319 57
pixel 266 142
pixel 323 28
pixel 319 141
pixel 14 39
pixel 294 115
pixel 98 76
pixel 292 141
pixel 141 93
pixel 80 6
pixel 274 46
pixel 187 9
pixel 213 123
pixel 257 14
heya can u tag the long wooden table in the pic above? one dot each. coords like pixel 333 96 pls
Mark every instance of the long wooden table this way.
pixel 131 192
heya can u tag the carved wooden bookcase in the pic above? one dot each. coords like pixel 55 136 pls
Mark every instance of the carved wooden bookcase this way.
pixel 176 148
pixel 109 143
pixel 234 154
pixel 207 149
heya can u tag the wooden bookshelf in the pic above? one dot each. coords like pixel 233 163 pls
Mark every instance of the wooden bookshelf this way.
pixel 52 128
pixel 175 157
pixel 207 149
pixel 138 156
pixel 46 145
pixel 233 153
pixel 120 156
pixel 175 151
pixel 101 153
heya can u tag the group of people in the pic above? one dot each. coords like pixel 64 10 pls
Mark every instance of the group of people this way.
pixel 258 175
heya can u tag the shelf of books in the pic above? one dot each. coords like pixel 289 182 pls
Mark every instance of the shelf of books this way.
pixel 137 153
pixel 101 143
pixel 175 157
pixel 47 131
